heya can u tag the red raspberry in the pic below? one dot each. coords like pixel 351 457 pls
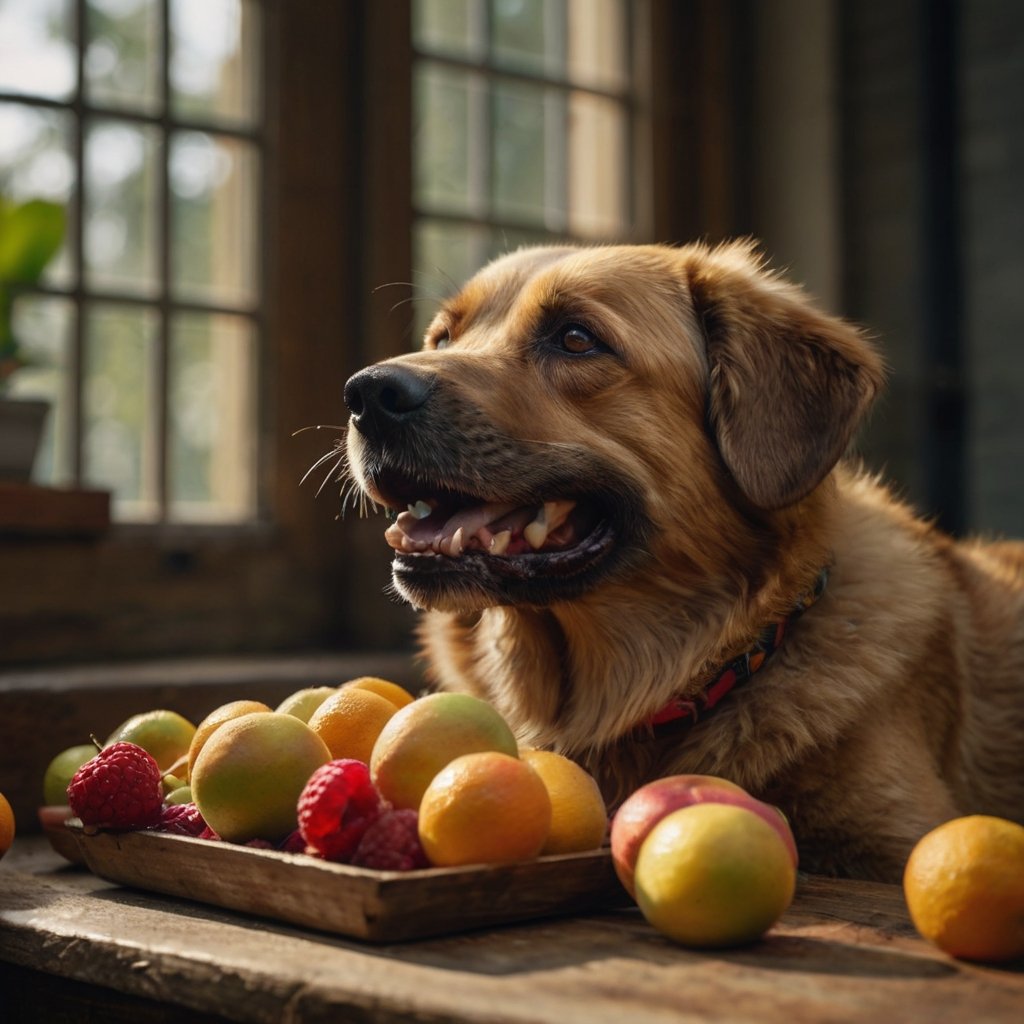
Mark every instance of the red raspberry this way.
pixel 392 843
pixel 119 788
pixel 292 843
pixel 335 808
pixel 180 819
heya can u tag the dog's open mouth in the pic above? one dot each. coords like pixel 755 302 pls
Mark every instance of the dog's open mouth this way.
pixel 512 549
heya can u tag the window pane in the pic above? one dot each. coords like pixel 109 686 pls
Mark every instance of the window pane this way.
pixel 121 206
pixel 121 60
pixel 35 163
pixel 528 171
pixel 212 456
pixel 597 166
pixel 529 36
pixel 119 400
pixel 36 54
pixel 214 71
pixel 598 43
pixel 42 326
pixel 215 227
pixel 446 255
pixel 448 26
pixel 449 140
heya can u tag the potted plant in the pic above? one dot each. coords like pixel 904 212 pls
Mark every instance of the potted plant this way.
pixel 31 232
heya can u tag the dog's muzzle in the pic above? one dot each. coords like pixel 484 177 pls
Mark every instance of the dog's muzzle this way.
pixel 385 397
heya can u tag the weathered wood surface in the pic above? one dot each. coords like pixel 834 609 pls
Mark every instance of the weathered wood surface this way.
pixel 843 952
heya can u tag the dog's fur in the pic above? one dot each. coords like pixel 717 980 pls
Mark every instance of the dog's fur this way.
pixel 708 425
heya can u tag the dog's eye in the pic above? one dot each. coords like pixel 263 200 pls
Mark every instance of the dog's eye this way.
pixel 578 340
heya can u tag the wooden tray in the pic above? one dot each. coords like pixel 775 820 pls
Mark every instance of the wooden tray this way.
pixel 378 906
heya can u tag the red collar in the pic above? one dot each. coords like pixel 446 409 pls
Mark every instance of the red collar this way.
pixel 685 711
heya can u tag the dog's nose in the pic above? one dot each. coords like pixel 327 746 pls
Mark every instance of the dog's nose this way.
pixel 382 397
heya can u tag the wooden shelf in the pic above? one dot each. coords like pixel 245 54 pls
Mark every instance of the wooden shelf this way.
pixel 49 511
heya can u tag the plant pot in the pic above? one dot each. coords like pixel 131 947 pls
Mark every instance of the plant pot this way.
pixel 21 428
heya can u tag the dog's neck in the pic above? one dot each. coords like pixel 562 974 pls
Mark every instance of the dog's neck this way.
pixel 685 709
pixel 575 675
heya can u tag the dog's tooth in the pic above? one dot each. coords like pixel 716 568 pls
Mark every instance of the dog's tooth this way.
pixel 500 542
pixel 556 513
pixel 420 509
pixel 455 547
pixel 536 533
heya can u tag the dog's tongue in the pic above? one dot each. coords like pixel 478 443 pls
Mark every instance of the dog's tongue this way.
pixel 497 528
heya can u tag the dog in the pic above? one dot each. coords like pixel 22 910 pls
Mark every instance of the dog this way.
pixel 625 503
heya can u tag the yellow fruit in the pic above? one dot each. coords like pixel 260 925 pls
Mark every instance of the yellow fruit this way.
pixel 181 795
pixel 247 778
pixel 60 770
pixel 166 735
pixel 302 703
pixel 398 695
pixel 428 733
pixel 713 875
pixel 579 818
pixel 964 886
pixel 6 825
pixel 217 717
pixel 350 721
pixel 484 808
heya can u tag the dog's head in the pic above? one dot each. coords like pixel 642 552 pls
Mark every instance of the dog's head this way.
pixel 577 413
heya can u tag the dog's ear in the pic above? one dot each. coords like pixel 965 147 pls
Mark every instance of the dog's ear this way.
pixel 788 383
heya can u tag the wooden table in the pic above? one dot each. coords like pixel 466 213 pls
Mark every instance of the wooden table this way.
pixel 75 948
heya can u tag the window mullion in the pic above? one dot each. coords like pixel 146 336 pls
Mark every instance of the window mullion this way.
pixel 164 259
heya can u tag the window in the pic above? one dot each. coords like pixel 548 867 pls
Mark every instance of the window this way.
pixel 524 112
pixel 144 119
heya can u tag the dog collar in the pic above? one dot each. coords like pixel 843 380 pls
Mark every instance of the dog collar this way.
pixel 685 711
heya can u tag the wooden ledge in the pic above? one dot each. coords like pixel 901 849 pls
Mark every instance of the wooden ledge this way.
pixel 49 511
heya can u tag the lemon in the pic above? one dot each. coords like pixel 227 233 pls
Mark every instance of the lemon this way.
pixel 302 703
pixel 60 771
pixel 713 875
pixel 164 734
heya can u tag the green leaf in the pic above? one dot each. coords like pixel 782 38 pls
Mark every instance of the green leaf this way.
pixel 30 235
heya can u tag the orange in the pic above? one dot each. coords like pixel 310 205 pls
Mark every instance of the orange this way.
pixel 579 818
pixel 217 717
pixel 713 875
pixel 425 735
pixel 350 721
pixel 6 825
pixel 964 887
pixel 247 779
pixel 166 735
pixel 398 695
pixel 484 808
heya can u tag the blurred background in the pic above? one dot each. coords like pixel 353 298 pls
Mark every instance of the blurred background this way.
pixel 261 196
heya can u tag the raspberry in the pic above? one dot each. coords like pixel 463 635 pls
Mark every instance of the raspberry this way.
pixel 180 819
pixel 292 843
pixel 119 788
pixel 392 843
pixel 337 805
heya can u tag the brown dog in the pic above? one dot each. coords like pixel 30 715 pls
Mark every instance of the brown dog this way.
pixel 625 497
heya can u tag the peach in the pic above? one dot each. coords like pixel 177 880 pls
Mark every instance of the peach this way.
pixel 641 811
